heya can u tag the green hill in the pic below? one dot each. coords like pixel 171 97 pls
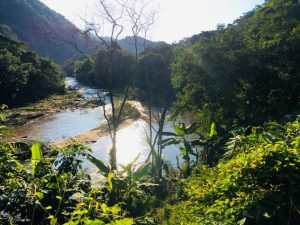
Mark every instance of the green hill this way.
pixel 33 22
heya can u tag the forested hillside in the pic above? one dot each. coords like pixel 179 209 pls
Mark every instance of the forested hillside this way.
pixel 49 33
pixel 245 73
pixel 25 76
pixel 36 24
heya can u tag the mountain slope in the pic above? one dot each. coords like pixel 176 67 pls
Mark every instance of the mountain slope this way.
pixel 33 22
pixel 47 32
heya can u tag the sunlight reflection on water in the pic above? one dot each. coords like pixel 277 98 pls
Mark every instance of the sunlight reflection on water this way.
pixel 60 125
pixel 131 141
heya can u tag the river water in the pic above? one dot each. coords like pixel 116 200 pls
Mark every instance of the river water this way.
pixel 131 140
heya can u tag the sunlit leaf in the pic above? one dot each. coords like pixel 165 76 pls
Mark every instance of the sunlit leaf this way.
pixel 115 209
pixel 178 130
pixel 109 185
pixel 213 130
pixel 36 156
pixel 39 195
pixel 125 221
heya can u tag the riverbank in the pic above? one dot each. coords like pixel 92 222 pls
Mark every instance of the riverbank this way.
pixel 95 134
pixel 19 116
pixel 91 136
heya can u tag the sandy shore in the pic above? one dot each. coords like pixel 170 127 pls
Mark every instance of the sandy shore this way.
pixel 16 117
pixel 95 134
pixel 90 136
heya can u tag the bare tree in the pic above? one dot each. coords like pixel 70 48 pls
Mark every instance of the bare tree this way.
pixel 116 13
pixel 113 17
pixel 111 14
pixel 140 19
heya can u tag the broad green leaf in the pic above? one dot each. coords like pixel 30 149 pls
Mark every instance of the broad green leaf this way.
pixel 72 222
pixel 178 130
pixel 94 222
pixel 170 141
pixel 99 164
pixel 115 209
pixel 143 170
pixel 213 130
pixel 2 118
pixel 104 207
pixel 183 151
pixel 169 134
pixel 53 221
pixel 36 153
pixel 125 221
pixel 39 195
pixel 109 185
pixel 36 156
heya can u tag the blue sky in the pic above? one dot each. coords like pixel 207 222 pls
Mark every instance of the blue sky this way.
pixel 176 19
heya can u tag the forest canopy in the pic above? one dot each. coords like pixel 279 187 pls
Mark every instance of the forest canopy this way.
pixel 246 73
pixel 25 76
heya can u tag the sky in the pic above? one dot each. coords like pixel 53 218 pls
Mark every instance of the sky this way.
pixel 175 20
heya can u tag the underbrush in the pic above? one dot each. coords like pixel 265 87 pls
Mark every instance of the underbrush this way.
pixel 257 182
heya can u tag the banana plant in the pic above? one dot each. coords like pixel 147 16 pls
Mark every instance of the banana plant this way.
pixel 36 156
pixel 182 136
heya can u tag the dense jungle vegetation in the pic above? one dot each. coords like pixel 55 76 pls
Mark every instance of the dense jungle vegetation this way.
pixel 240 155
pixel 25 76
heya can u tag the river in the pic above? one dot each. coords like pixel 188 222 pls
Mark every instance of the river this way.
pixel 131 140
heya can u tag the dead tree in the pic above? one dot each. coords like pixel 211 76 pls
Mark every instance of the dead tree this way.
pixel 116 14
pixel 140 19
pixel 112 16
pixel 111 13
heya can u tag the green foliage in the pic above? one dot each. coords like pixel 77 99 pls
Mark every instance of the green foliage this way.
pixel 112 70
pixel 130 190
pixel 153 80
pixel 55 189
pixel 213 130
pixel 36 156
pixel 24 75
pixel 194 146
pixel 3 128
pixel 59 190
pixel 256 183
pixel 183 137
pixel 245 73
pixel 129 111
pixel 99 164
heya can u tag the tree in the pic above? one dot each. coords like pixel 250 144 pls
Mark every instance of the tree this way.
pixel 154 85
pixel 245 73
pixel 111 61
pixel 25 76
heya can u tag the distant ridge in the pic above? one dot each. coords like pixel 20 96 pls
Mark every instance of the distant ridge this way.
pixel 33 22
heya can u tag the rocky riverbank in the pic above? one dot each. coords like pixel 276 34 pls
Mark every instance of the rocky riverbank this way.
pixel 57 103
